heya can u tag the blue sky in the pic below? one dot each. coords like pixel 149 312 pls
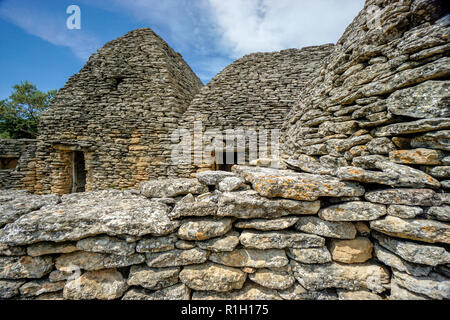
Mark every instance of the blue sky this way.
pixel 37 46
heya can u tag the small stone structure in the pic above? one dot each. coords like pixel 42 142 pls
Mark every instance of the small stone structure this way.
pixel 112 121
pixel 360 210
pixel 17 164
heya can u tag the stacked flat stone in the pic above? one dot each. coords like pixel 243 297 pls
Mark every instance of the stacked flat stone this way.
pixel 253 93
pixel 23 176
pixel 219 236
pixel 120 110
pixel 379 115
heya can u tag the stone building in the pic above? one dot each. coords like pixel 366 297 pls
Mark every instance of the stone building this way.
pixel 253 93
pixel 17 164
pixel 109 127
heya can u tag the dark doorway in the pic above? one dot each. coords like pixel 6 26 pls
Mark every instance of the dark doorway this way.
pixel 8 163
pixel 78 172
pixel 226 160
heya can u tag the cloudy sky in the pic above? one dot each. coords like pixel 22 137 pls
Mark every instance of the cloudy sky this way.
pixel 210 34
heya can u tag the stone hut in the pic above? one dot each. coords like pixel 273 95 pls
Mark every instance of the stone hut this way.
pixel 253 93
pixel 109 127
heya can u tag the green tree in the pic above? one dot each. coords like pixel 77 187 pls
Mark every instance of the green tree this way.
pixel 19 114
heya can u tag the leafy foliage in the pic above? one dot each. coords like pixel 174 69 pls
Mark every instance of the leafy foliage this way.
pixel 19 114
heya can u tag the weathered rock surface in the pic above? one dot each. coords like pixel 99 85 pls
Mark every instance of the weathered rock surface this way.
pixel 95 261
pixel 254 258
pixel 357 295
pixel 7 250
pixel 279 240
pixel 351 251
pixel 310 165
pixel 25 267
pixel 250 291
pixel 417 156
pixel 226 243
pixel 204 205
pixel 411 197
pixel 406 212
pixel 186 245
pixel 440 172
pixel 169 188
pixel 156 244
pixel 400 293
pixel 153 278
pixel 100 285
pixel 310 255
pixel 433 140
pixel 420 229
pixel 392 174
pixel 417 126
pixel 353 211
pixel 298 186
pixel 9 288
pixel 19 204
pixel 315 225
pixel 388 258
pixel 213 178
pixel 176 292
pixel 176 258
pixel 429 99
pixel 266 224
pixel 346 276
pixel 103 212
pixel 297 292
pixel 105 244
pixel 249 205
pixel 229 184
pixel 380 146
pixel 441 213
pixel 272 279
pixel 38 287
pixel 204 229
pixel 212 277
pixel 44 248
pixel 434 286
pixel 414 252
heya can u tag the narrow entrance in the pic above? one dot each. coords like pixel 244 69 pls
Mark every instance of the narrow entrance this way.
pixel 78 172
pixel 8 163
pixel 226 160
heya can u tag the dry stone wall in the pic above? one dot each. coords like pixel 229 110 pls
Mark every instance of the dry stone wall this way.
pixel 119 110
pixel 218 236
pixel 18 163
pixel 379 115
pixel 253 93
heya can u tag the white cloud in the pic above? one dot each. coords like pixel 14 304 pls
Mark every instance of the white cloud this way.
pixel 269 25
pixel 49 27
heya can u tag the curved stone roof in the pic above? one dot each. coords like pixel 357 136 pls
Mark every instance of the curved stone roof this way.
pixel 255 91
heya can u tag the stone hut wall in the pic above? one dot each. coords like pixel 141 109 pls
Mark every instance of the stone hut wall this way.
pixel 119 110
pixel 17 169
pixel 379 115
pixel 253 93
